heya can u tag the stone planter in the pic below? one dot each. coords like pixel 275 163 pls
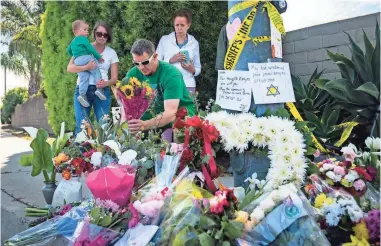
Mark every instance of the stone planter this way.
pixel 48 192
pixel 247 163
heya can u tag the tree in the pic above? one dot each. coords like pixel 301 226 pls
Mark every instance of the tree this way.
pixel 21 23
pixel 11 63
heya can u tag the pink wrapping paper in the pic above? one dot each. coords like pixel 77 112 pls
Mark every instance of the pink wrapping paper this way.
pixel 113 182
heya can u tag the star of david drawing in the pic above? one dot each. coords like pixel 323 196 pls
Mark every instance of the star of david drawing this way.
pixel 272 91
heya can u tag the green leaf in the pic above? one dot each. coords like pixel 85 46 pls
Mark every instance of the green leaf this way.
pixel 300 124
pixel 298 86
pixel 333 118
pixel 341 90
pixel 26 160
pixel 283 113
pixel 233 230
pixel 368 56
pixel 42 153
pixel 359 60
pixel 313 118
pixel 148 164
pixel 346 72
pixel 312 168
pixel 205 239
pixel 142 172
pixel 320 83
pixel 105 221
pixel 370 89
pixel 225 243
pixel 327 111
pixel 206 222
pixel 376 58
pixel 310 151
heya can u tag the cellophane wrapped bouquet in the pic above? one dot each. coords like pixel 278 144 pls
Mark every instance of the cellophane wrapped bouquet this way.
pixel 134 97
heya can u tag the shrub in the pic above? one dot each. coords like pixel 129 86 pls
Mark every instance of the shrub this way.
pixel 10 101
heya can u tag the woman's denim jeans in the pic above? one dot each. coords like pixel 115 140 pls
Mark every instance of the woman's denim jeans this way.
pixel 100 107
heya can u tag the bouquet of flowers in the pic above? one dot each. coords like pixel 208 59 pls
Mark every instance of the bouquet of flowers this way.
pixel 197 216
pixel 345 174
pixel 134 97
pixel 285 204
pixel 197 135
pixel 114 182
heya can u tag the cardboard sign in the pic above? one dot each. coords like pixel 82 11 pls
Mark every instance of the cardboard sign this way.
pixel 234 90
pixel 271 82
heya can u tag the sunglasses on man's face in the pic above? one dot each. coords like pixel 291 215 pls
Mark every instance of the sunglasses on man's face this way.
pixel 101 34
pixel 143 62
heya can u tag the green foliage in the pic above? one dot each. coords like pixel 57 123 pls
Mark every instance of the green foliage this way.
pixel 41 158
pixel 21 23
pixel 358 91
pixel 308 96
pixel 129 21
pixel 10 101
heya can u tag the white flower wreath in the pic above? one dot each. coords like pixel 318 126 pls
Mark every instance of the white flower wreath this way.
pixel 285 143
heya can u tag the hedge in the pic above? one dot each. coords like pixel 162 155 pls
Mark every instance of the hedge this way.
pixel 129 21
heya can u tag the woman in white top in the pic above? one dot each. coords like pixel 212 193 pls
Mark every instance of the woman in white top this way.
pixel 174 46
pixel 102 36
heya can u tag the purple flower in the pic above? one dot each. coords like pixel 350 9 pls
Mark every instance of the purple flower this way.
pixel 66 208
pixel 359 185
pixel 372 172
pixel 373 224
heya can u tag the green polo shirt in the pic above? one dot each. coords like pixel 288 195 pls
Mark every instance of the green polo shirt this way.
pixel 169 84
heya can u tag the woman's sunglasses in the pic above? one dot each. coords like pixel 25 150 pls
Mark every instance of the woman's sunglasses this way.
pixel 101 34
pixel 143 62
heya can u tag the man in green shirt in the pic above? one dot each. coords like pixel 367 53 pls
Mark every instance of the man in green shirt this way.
pixel 171 92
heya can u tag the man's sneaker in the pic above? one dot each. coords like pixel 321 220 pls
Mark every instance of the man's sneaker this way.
pixel 99 93
pixel 82 99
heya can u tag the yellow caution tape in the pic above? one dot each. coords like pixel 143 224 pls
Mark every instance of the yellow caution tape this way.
pixel 275 17
pixel 261 39
pixel 238 42
pixel 346 133
pixel 291 107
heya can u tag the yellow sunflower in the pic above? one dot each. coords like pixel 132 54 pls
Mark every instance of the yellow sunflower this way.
pixel 148 91
pixel 135 82
pixel 128 90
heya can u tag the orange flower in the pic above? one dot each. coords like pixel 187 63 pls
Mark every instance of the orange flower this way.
pixel 60 159
pixel 66 174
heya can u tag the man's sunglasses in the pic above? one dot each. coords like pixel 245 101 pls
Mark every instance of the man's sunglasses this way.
pixel 100 34
pixel 143 62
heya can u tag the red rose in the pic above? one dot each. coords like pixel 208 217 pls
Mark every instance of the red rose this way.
pixel 363 173
pixel 78 164
pixel 179 124
pixel 181 113
pixel 187 156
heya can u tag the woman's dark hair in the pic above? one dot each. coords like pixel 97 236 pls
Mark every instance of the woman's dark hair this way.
pixel 183 13
pixel 106 26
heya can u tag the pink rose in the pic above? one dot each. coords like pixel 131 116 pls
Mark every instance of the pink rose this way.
pixel 359 185
pixel 339 170
pixel 176 148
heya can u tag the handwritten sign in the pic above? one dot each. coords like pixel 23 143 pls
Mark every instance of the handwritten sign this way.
pixel 271 82
pixel 234 90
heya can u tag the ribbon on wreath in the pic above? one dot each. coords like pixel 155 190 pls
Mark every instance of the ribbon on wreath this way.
pixel 208 133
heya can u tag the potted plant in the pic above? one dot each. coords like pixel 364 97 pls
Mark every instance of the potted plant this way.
pixel 41 158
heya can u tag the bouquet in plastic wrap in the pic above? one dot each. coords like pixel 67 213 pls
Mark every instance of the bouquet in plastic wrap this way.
pixel 344 174
pixel 47 231
pixel 134 97
pixel 91 234
pixel 114 182
pixel 197 216
pixel 337 211
pixel 280 217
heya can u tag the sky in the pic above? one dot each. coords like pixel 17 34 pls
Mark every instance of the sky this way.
pixel 306 13
pixel 299 14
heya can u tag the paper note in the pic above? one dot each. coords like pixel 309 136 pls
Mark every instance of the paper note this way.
pixel 234 90
pixel 271 82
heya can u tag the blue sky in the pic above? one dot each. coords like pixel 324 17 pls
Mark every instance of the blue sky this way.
pixel 305 13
